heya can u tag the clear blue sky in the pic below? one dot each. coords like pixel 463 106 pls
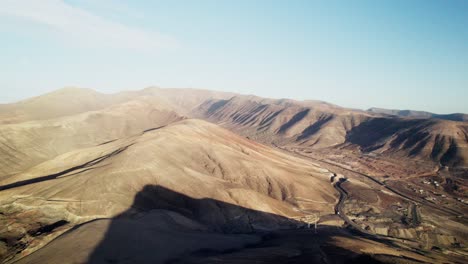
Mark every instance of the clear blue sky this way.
pixel 392 54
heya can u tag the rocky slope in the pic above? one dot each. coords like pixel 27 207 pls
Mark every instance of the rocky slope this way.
pixel 198 170
pixel 320 125
pixel 37 129
pixel 95 174
pixel 26 144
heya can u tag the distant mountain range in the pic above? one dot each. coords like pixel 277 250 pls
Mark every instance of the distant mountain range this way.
pixel 419 114
pixel 319 125
pixel 69 114
pixel 132 153
pixel 145 176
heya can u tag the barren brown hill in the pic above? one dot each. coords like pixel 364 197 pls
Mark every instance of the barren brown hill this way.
pixel 26 144
pixel 428 139
pixel 111 177
pixel 73 100
pixel 62 102
pixel 321 125
pixel 185 100
pixel 40 128
pixel 310 124
pixel 313 123
pixel 192 157
pixel 419 114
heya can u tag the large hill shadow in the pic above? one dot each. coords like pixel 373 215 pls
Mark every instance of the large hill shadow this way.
pixel 164 226
pixel 228 233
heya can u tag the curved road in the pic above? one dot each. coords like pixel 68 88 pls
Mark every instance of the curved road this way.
pixel 339 209
pixel 391 189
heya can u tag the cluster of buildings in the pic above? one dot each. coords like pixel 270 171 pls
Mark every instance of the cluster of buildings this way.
pixel 435 183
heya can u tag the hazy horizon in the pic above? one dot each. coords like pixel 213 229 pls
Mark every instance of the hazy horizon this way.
pixel 217 90
pixel 388 54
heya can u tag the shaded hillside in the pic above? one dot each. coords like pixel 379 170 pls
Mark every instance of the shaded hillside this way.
pixel 323 126
pixel 60 126
pixel 438 140
pixel 166 224
pixel 96 170
pixel 193 157
pixel 314 124
pixel 168 228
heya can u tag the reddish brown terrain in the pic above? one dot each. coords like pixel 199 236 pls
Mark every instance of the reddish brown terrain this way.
pixel 196 176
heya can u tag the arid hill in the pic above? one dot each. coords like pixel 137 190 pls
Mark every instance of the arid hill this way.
pixel 26 144
pixel 132 177
pixel 43 127
pixel 284 122
pixel 191 157
pixel 320 125
pixel 71 100
pixel 419 114
pixel 312 124
pixel 427 139
pixel 316 124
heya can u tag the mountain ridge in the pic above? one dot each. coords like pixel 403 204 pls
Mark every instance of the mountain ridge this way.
pixel 419 114
pixel 312 124
pixel 140 161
